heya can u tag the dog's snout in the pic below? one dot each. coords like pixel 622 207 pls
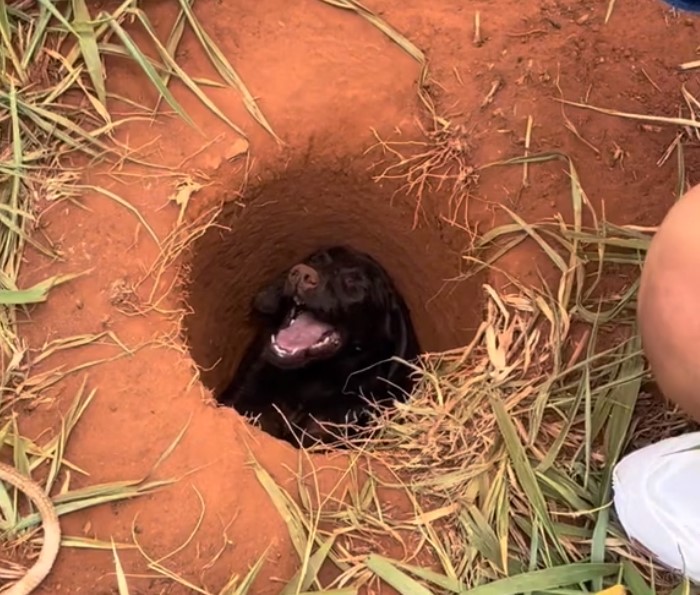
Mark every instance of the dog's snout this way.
pixel 304 277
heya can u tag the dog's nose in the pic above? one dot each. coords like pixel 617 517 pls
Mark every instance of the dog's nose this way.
pixel 304 277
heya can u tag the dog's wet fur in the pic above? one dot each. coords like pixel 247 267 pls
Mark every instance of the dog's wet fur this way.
pixel 322 359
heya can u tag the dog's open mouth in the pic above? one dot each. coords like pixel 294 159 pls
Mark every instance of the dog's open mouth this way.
pixel 304 337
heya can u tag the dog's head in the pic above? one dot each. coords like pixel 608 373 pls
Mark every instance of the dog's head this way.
pixel 336 301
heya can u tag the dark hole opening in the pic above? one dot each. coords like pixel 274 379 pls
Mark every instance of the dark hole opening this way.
pixel 333 335
pixel 279 223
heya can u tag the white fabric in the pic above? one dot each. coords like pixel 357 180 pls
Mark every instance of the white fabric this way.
pixel 657 499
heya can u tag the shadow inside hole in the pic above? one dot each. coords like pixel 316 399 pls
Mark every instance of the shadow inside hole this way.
pixel 288 214
pixel 333 343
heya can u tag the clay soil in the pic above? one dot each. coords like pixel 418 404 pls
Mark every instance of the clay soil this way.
pixel 330 85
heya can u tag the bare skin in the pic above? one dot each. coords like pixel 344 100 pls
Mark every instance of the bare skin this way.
pixel 667 308
pixel 52 530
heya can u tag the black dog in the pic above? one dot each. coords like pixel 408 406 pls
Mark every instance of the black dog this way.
pixel 331 326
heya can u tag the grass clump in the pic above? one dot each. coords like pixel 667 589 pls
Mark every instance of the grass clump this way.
pixel 19 525
pixel 54 106
pixel 504 455
pixel 54 114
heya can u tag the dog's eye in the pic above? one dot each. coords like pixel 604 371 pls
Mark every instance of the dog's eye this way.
pixel 352 279
pixel 321 259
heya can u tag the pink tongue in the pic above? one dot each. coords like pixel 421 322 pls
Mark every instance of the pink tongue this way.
pixel 302 333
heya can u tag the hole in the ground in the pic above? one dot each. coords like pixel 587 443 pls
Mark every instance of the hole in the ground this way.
pixel 330 330
pixel 287 218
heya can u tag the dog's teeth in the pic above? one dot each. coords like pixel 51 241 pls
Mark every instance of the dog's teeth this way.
pixel 277 348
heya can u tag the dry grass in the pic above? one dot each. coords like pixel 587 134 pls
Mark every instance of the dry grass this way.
pixel 53 106
pixel 20 525
pixel 398 38
pixel 504 455
pixel 503 458
pixel 442 160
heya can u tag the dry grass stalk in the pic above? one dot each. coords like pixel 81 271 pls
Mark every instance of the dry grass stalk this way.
pixel 507 447
pixel 442 160
pixel 19 524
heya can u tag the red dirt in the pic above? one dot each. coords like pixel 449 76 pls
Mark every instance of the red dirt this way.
pixel 325 78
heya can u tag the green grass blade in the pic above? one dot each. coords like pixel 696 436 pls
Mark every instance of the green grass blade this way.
pixel 623 398
pixel 63 129
pixel 38 293
pixel 83 498
pixel 301 582
pixel 17 157
pixel 225 69
pixel 285 507
pixel 184 77
pixel 430 576
pixel 634 581
pixel 38 36
pixel 393 577
pixel 544 580
pixel 85 30
pixel 151 73
pixel 172 43
pixel 683 588
pixel 523 470
pixel 7 48
pixel 58 15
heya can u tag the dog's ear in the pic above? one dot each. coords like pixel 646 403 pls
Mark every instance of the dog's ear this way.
pixel 405 347
pixel 268 300
pixel 387 301
pixel 396 324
